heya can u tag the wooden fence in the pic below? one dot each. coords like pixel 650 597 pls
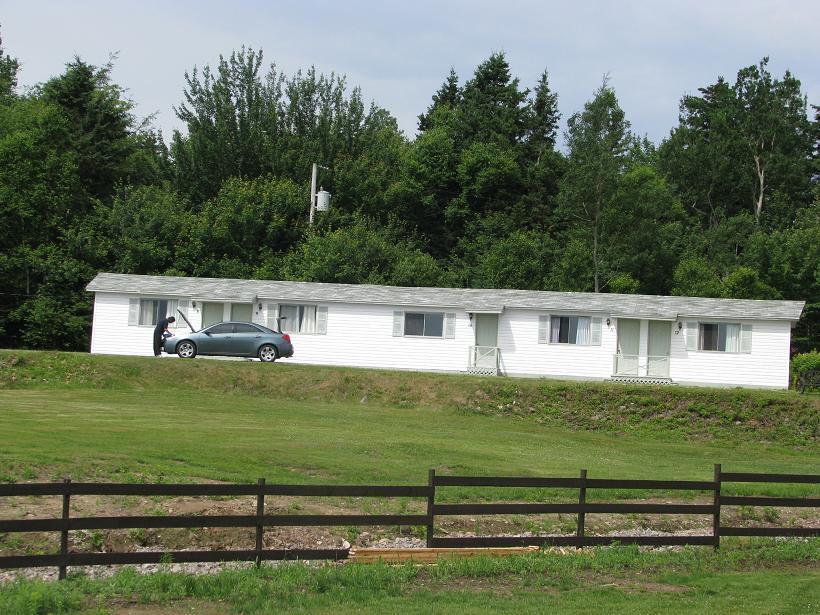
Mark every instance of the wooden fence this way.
pixel 580 506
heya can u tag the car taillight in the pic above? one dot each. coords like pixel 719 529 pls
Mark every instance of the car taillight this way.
pixel 286 337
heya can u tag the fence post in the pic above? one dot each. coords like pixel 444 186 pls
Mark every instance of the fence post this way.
pixel 716 512
pixel 260 512
pixel 582 500
pixel 431 499
pixel 63 569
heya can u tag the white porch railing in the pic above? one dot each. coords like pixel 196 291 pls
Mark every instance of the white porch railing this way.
pixel 640 366
pixel 484 360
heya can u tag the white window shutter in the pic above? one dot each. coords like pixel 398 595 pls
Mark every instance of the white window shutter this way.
pixel 543 329
pixel 595 331
pixel 449 325
pixel 133 312
pixel 746 338
pixel 273 312
pixel 398 323
pixel 321 320
pixel 691 335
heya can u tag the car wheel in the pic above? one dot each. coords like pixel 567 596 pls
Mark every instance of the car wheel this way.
pixel 268 353
pixel 186 350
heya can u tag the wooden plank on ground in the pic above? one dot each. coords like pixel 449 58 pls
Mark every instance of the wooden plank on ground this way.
pixel 429 555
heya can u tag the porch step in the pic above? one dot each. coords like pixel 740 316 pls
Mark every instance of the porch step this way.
pixel 482 371
pixel 642 380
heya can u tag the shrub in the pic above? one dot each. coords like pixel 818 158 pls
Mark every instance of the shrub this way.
pixel 805 362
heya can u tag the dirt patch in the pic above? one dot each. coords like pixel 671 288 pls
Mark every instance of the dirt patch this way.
pixel 634 585
pixel 498 586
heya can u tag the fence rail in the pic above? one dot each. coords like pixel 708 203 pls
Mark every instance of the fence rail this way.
pixel 580 507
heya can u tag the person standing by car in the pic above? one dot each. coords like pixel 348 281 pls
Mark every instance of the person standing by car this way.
pixel 162 327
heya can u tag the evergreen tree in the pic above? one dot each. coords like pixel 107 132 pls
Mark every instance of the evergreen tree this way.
pixel 448 96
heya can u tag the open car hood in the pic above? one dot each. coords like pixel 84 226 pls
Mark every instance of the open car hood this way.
pixel 187 322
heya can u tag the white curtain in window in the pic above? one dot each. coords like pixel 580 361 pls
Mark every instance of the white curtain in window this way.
pixel 146 312
pixel 555 329
pixel 308 324
pixel 732 338
pixel 583 336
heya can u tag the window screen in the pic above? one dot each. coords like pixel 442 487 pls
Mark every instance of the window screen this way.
pixel 571 330
pixel 153 310
pixel 720 337
pixel 424 324
pixel 298 318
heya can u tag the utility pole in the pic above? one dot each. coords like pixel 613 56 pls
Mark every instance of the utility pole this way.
pixel 314 194
pixel 313 173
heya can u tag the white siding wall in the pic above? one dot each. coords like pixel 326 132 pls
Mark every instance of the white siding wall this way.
pixel 521 354
pixel 362 336
pixel 111 333
pixel 766 366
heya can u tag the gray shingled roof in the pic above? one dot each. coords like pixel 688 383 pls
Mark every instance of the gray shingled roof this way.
pixel 471 300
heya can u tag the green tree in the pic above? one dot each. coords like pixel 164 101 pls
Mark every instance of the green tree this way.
pixel 447 97
pixel 742 148
pixel 8 73
pixel 516 260
pixel 492 107
pixel 695 277
pixel 246 228
pixel 243 124
pixel 776 133
pixel 101 124
pixel 598 139
pixel 362 253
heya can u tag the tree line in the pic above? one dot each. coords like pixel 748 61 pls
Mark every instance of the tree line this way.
pixel 483 196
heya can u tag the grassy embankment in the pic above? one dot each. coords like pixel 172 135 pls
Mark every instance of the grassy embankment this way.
pixel 136 419
pixel 766 578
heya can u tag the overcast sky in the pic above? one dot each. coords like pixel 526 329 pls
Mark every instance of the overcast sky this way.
pixel 399 53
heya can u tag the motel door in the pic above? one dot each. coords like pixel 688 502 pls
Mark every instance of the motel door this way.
pixel 629 342
pixel 486 340
pixel 212 313
pixel 660 343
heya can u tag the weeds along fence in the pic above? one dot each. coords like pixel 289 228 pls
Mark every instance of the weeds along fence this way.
pixel 580 505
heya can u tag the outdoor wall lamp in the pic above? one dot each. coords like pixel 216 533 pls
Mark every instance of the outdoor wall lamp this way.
pixel 680 326
pixel 259 307
pixel 608 322
pixel 193 304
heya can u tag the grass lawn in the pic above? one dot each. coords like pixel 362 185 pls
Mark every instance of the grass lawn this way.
pixel 130 419
pixel 137 419
pixel 183 434
pixel 766 578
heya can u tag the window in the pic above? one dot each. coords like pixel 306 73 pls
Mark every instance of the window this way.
pixel 223 328
pixel 245 328
pixel 719 337
pixel 424 324
pixel 571 330
pixel 298 318
pixel 152 311
pixel 148 312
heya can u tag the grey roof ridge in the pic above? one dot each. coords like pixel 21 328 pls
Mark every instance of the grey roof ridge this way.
pixel 665 306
